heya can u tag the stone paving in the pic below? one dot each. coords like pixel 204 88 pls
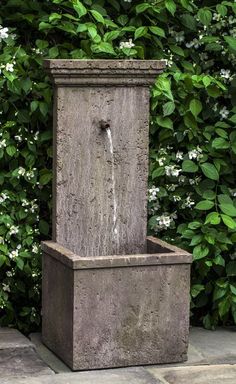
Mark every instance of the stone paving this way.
pixel 211 360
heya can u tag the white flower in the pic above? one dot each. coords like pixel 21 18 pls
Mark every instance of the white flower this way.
pixel 30 174
pixel 161 161
pixel 3 143
pixel 195 153
pixel 224 113
pixel 9 67
pixel 153 193
pixel 179 155
pixel 3 197
pixel 171 187
pixel 172 170
pixel 182 179
pixel 179 36
pixel 13 254
pixel 18 138
pixel 6 287
pixel 188 203
pixel 176 198
pixel 127 1
pixel 13 230
pixel 3 33
pixel 127 44
pixel 1 240
pixel 21 171
pixel 35 248
pixel 163 221
pixel 9 274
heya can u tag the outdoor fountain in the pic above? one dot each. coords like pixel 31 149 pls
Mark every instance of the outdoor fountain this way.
pixel 111 296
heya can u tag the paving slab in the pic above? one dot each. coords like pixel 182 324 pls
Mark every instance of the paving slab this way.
pixel 18 356
pixel 46 355
pixel 214 347
pixel 111 376
pixel 214 374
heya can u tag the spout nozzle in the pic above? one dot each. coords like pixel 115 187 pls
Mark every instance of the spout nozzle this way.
pixel 104 124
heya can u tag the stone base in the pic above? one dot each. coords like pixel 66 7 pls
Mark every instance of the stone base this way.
pixel 116 311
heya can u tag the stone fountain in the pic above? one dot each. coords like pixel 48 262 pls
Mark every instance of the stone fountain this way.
pixel 112 296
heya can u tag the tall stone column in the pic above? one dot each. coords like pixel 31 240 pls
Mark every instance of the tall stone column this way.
pixel 111 296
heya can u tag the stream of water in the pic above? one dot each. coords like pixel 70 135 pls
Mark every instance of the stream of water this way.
pixel 114 229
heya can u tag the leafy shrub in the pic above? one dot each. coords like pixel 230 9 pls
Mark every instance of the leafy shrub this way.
pixel 193 140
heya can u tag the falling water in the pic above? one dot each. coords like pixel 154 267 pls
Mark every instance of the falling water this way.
pixel 114 229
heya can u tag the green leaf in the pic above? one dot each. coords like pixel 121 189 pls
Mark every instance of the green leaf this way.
pixel 142 7
pixel 43 227
pixel 11 150
pixel 176 49
pixel 200 251
pixel 2 260
pixel 210 171
pixel 228 209
pixel 79 8
pixel 196 289
pixel 220 143
pixel 204 205
pixel 141 31
pixel 225 199
pixel 209 195
pixel 205 16
pixel 213 218
pixel 97 16
pixel 195 107
pixel 45 178
pixel 164 122
pixel 168 108
pixel 231 41
pixel 157 31
pixel 231 268
pixel 170 6
pixel 228 221
pixel 189 166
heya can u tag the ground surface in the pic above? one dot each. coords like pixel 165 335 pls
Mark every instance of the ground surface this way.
pixel 211 360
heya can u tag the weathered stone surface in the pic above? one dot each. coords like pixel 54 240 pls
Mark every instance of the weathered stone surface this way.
pixel 160 253
pixel 224 374
pixel 48 356
pixel 110 297
pixel 111 376
pixel 104 72
pixel 18 356
pixel 12 339
pixel 117 316
pixel 96 192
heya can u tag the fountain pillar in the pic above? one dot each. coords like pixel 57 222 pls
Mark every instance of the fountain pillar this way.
pixel 111 296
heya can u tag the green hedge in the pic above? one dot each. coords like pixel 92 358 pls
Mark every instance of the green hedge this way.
pixel 193 138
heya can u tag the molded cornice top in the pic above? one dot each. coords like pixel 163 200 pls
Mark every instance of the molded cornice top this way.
pixel 104 72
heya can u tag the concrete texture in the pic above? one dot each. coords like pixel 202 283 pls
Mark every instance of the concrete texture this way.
pixel 121 376
pixel 224 374
pixel 18 356
pixel 197 370
pixel 117 315
pixel 111 297
pixel 100 176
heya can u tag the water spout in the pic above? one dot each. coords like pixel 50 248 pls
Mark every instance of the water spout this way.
pixel 114 229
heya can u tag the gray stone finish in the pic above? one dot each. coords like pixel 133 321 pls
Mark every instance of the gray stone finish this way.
pixel 48 356
pixel 18 356
pixel 111 376
pixel 130 314
pixel 97 193
pixel 111 296
pixel 224 374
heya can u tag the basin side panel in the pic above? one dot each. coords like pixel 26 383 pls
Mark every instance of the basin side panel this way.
pixel 131 316
pixel 57 304
pixel 100 200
